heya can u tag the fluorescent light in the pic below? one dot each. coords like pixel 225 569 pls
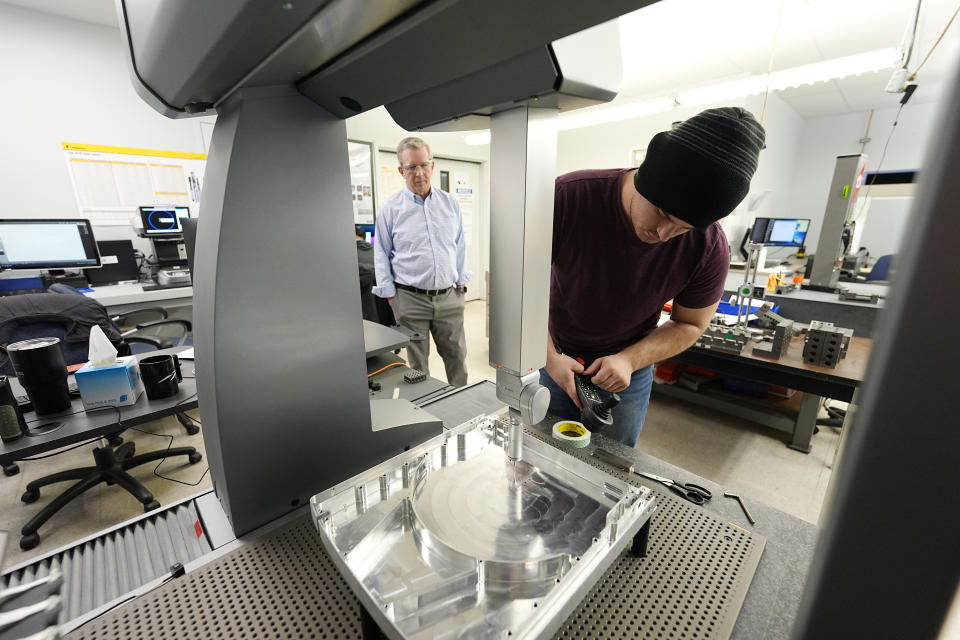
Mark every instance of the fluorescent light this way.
pixel 723 91
pixel 794 77
pixel 476 139
pixel 588 118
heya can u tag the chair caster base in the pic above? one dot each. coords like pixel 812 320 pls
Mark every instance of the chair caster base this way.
pixel 11 469
pixel 30 496
pixel 195 457
pixel 150 506
pixel 29 541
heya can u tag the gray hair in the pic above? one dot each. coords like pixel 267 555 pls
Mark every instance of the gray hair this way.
pixel 412 142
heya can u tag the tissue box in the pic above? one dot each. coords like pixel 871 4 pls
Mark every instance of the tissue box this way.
pixel 113 385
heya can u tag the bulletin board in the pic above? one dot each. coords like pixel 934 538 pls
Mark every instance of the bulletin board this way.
pixel 361 181
pixel 110 183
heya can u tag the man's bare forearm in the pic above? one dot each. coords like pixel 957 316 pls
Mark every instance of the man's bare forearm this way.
pixel 665 341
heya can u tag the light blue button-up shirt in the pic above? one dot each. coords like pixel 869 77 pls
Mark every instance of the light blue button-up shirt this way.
pixel 419 243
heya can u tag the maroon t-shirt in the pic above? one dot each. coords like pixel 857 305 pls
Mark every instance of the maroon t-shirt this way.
pixel 607 286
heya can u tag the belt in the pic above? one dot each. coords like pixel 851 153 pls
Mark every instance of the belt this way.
pixel 426 292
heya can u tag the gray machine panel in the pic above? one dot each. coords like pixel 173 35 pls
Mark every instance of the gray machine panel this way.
pixel 281 370
pixel 379 339
pixel 523 166
pixel 500 31
pixel 186 55
pixel 554 76
pixel 189 53
pixel 847 176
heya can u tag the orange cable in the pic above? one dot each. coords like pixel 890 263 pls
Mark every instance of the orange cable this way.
pixel 395 364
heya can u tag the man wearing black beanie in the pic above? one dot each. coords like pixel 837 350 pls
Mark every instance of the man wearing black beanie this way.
pixel 626 241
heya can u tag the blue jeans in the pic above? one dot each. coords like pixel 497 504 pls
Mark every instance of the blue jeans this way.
pixel 627 416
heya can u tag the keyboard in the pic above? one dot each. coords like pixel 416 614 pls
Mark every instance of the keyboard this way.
pixel 176 285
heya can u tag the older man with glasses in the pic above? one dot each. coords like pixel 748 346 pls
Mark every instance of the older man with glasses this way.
pixel 420 259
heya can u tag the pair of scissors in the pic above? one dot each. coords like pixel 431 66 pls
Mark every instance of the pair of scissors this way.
pixel 688 491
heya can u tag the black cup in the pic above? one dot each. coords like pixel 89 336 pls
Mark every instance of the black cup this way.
pixel 161 376
pixel 42 371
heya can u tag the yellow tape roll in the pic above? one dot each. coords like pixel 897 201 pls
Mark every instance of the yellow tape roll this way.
pixel 571 432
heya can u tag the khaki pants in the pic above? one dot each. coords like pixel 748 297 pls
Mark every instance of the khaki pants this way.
pixel 442 317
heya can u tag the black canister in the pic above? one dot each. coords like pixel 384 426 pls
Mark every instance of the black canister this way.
pixel 42 371
pixel 12 425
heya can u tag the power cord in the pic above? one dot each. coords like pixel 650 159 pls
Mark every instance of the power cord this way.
pixel 395 364
pixel 177 570
pixel 156 470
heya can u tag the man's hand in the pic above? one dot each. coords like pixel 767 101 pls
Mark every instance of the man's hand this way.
pixel 611 373
pixel 561 368
pixel 390 301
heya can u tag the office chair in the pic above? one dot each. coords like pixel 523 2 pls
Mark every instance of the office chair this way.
pixel 71 318
pixel 881 268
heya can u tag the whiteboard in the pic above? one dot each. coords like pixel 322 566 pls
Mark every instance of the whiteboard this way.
pixel 111 183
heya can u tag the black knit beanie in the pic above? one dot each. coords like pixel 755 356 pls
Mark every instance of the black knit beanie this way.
pixel 700 171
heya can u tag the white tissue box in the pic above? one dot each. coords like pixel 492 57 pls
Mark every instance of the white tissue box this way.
pixel 113 385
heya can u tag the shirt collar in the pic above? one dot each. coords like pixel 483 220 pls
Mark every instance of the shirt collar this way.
pixel 412 196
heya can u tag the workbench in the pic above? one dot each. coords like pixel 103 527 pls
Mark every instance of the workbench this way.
pixel 789 371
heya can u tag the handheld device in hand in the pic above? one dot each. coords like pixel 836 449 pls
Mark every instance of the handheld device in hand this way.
pixel 597 404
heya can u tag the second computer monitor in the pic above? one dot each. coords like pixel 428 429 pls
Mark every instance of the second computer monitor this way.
pixel 780 232
pixel 163 221
pixel 31 243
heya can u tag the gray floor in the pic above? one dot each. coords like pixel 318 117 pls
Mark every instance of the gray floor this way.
pixel 102 506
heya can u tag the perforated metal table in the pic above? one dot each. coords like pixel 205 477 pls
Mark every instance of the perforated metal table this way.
pixel 706 575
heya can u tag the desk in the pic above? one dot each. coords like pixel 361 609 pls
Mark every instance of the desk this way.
pixel 78 425
pixel 789 371
pixel 119 298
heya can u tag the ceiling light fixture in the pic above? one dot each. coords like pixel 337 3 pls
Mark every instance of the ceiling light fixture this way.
pixel 789 78
pixel 754 85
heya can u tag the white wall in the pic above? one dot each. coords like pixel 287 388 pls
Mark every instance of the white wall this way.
pixel 769 195
pixel 823 139
pixel 610 145
pixel 67 81
pixel 795 169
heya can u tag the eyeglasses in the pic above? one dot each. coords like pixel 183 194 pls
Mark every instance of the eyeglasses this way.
pixel 412 168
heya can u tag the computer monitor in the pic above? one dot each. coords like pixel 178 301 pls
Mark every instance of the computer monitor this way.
pixel 27 243
pixel 163 221
pixel 368 231
pixel 119 263
pixel 190 239
pixel 780 232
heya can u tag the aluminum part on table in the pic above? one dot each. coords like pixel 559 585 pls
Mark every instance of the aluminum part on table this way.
pixel 447 538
